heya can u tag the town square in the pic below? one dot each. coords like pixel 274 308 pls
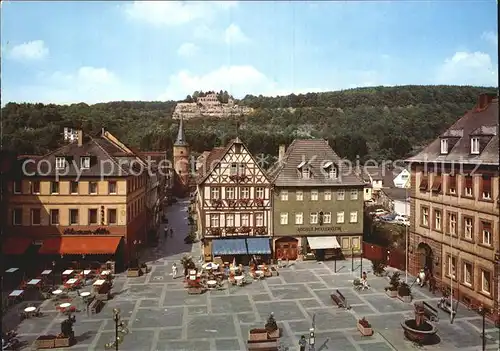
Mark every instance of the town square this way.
pixel 161 315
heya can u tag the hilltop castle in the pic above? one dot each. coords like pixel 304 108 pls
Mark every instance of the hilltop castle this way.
pixel 209 106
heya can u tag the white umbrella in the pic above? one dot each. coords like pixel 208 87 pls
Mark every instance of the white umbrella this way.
pixel 210 265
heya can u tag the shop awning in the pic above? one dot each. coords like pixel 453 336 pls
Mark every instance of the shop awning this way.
pixel 229 247
pixel 258 246
pixel 15 245
pixel 323 242
pixel 90 245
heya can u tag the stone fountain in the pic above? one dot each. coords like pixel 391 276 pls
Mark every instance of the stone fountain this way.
pixel 418 329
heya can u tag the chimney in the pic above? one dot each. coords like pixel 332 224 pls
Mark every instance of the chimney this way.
pixel 281 152
pixel 484 100
pixel 80 137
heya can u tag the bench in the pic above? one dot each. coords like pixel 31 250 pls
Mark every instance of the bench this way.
pixel 337 300
pixel 445 305
pixel 430 312
pixel 342 298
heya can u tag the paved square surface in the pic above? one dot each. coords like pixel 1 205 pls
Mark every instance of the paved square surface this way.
pixel 162 316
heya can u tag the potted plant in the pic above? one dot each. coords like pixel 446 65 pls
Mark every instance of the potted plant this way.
pixel 378 267
pixel 364 327
pixel 404 292
pixel 259 202
pixel 392 289
pixel 187 263
pixel 272 327
pixel 45 342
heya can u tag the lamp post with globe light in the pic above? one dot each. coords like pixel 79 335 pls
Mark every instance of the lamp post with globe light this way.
pixel 120 330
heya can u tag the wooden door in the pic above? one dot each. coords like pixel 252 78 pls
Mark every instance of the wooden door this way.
pixel 286 250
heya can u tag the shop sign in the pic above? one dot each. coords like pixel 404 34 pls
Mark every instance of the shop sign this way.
pixel 98 231
pixel 318 229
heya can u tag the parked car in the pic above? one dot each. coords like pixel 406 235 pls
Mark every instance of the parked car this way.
pixel 402 221
pixel 402 218
pixel 388 218
pixel 378 212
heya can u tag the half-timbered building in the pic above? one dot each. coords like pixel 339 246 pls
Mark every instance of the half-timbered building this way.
pixel 233 204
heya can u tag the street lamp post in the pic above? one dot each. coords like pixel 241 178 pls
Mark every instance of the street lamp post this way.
pixel 116 318
pixel 352 259
pixel 312 339
pixel 120 330
pixel 482 312
pixel 361 266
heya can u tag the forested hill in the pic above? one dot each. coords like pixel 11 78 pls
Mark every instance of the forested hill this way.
pixel 378 122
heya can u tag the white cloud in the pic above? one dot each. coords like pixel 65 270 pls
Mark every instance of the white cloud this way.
pixel 86 84
pixel 187 50
pixel 234 35
pixel 468 68
pixel 490 37
pixel 29 51
pixel 238 80
pixel 175 13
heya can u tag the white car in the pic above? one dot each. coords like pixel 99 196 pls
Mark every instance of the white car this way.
pixel 402 221
pixel 378 212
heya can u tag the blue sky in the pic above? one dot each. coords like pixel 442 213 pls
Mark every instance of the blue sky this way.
pixel 66 52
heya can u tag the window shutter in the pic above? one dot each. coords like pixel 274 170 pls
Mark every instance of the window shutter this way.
pixel 424 183
pixel 486 184
pixel 436 185
pixel 452 182
pixel 468 181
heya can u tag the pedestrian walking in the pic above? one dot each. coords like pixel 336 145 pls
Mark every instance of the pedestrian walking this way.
pixel 174 270
pixel 302 343
pixel 165 232
pixel 171 233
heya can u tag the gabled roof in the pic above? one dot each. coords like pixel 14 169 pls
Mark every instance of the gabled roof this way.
pixel 216 155
pixel 481 122
pixel 103 162
pixel 316 153
pixel 397 193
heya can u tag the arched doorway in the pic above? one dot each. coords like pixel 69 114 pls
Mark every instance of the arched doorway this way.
pixel 286 247
pixel 425 256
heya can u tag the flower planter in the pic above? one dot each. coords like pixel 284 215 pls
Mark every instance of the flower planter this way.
pixel 134 272
pixel 62 342
pixel 257 335
pixel 392 293
pixel 365 331
pixel 405 299
pixel 45 342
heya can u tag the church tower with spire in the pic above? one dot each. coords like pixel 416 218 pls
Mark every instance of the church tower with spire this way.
pixel 181 165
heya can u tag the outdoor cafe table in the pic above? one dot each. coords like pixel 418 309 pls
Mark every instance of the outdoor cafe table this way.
pixel 104 273
pixel 11 270
pixel 239 279
pixel 34 282
pixel 64 306
pixel 57 292
pixel 259 272
pixel 86 272
pixel 211 283
pixel 46 272
pixel 67 272
pixel 29 311
pixel 71 282
pixel 85 294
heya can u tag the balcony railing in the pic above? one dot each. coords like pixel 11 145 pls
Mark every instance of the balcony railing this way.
pixel 236 231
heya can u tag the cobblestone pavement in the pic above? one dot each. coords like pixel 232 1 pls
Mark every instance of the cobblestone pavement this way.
pixel 162 316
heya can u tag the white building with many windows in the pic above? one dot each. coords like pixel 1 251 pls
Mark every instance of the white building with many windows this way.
pixel 233 204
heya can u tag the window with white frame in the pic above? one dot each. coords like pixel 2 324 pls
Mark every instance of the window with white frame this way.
pixel 306 173
pixel 437 220
pixel 259 219
pixel 340 194
pixel 468 228
pixel 283 218
pixel 354 194
pixel 17 216
pixel 214 220
pixel 452 229
pixel 486 233
pixel 328 195
pixel 299 195
pixel 299 218
pixel 444 146
pixel 259 193
pixel 313 219
pixel 425 216
pixel 327 217
pixel 214 193
pixel 340 217
pixel 467 273
pixel 452 264
pixel 229 220
pixel 234 169
pixel 85 162
pixel 485 282
pixel 314 195
pixel 245 220
pixel 245 193
pixel 474 145
pixel 353 217
pixel 241 169
pixel 284 195
pixel 332 172
pixel 230 193
pixel 61 162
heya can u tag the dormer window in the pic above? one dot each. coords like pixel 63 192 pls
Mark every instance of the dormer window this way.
pixel 306 173
pixel 61 162
pixel 85 162
pixel 330 170
pixel 444 146
pixel 474 146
